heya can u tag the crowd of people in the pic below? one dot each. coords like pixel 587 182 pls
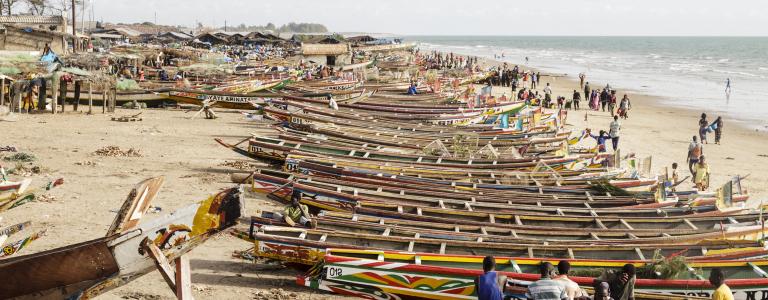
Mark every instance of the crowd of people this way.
pixel 555 284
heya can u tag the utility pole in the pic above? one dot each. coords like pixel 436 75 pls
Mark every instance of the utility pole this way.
pixel 74 29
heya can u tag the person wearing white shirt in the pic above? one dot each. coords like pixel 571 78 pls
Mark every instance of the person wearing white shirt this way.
pixel 614 132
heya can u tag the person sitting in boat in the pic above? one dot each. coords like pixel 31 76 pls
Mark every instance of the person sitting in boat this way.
pixel 412 89
pixel 490 285
pixel 722 291
pixel 546 288
pixel 600 139
pixel 297 213
pixel 332 103
pixel 622 283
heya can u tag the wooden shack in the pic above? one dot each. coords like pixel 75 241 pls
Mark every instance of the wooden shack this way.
pixel 327 54
pixel 32 33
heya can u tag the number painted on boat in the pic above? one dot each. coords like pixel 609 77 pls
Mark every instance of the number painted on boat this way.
pixel 256 149
pixel 334 272
pixel 291 165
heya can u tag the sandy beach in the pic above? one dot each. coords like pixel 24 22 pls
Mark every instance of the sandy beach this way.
pixel 657 129
pixel 183 150
pixel 171 145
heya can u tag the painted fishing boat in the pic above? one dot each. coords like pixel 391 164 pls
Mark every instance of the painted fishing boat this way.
pixel 17 198
pixel 6 185
pixel 276 149
pixel 9 249
pixel 396 276
pixel 308 244
pixel 84 270
pixel 250 86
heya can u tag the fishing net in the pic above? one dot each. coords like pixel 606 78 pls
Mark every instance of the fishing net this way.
pixel 127 84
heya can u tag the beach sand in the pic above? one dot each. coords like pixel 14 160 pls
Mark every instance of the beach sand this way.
pixel 173 146
pixel 184 151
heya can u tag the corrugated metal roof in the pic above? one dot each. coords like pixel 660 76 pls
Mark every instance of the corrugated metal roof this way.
pixel 30 19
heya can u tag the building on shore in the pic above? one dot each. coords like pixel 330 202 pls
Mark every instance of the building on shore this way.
pixel 32 33
pixel 327 54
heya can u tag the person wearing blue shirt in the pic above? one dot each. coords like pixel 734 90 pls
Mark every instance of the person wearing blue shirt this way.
pixel 489 285
pixel 600 139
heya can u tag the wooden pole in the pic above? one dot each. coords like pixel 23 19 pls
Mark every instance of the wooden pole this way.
pixel 183 278
pixel 75 40
pixel 104 100
pixel 78 84
pixel 2 92
pixel 54 92
pixel 90 97
pixel 63 94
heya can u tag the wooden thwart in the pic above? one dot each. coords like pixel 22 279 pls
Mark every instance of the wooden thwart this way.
pixel 178 279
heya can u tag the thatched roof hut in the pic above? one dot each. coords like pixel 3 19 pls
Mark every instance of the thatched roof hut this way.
pixel 324 49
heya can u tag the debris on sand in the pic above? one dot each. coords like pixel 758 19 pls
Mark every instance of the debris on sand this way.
pixel 20 156
pixel 240 165
pixel 86 163
pixel 115 151
pixel 143 296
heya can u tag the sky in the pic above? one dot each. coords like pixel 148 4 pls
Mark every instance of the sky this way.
pixel 453 17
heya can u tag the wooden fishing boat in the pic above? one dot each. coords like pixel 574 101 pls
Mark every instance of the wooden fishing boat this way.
pixel 9 249
pixel 151 98
pixel 276 149
pixel 396 275
pixel 84 270
pixel 384 195
pixel 13 185
pixel 219 99
pixel 24 195
pixel 250 86
pixel 310 244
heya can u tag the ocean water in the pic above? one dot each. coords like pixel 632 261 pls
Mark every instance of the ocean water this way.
pixel 685 71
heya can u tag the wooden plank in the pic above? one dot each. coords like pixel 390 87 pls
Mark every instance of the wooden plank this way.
pixel 758 270
pixel 513 233
pixel 386 231
pixel 530 252
pixel 688 222
pixel 594 236
pixel 600 224
pixel 570 253
pixel 442 248
pixel 626 224
pixel 492 218
pixel 410 246
pixel 517 220
pixel 589 196
pixel 418 211
pixel 483 230
pixel 515 266
pixel 161 262
pixel 183 279
pixel 640 253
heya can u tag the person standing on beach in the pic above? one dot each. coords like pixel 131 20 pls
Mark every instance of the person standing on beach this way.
pixel 701 174
pixel 722 291
pixel 604 98
pixel 547 95
pixel 718 125
pixel 594 100
pixel 533 80
pixel 615 127
pixel 695 150
pixel 582 77
pixel 703 127
pixel 538 78
pixel 576 99
pixel 728 85
pixel 600 139
pixel 587 91
pixel 624 107
pixel 612 102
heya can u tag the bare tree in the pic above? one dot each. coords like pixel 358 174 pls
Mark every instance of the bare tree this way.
pixel 6 6
pixel 38 7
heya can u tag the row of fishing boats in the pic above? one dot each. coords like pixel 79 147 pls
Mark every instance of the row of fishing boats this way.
pixel 408 193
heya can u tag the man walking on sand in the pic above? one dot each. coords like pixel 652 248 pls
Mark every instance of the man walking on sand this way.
pixel 615 127
pixel 695 150
pixel 576 99
pixel 587 91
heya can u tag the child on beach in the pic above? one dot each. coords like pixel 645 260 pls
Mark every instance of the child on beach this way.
pixel 703 127
pixel 675 177
pixel 701 175
pixel 600 139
